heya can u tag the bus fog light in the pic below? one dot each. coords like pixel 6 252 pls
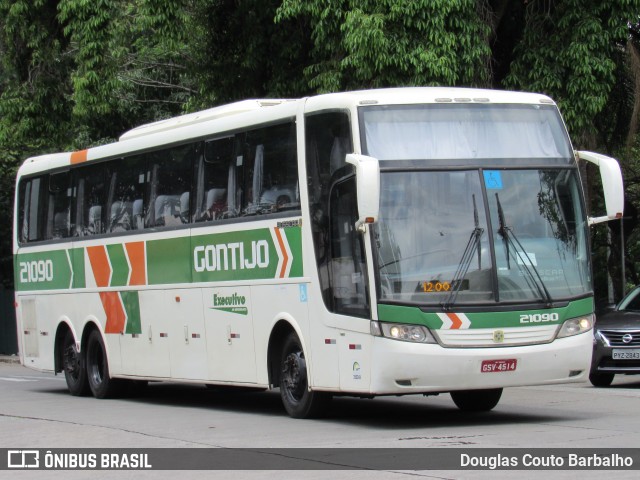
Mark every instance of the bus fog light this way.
pixel 577 325
pixel 407 333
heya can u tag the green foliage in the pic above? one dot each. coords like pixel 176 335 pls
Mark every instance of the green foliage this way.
pixel 392 43
pixel 567 51
pixel 237 51
pixel 77 73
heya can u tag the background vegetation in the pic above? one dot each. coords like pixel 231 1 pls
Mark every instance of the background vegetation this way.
pixel 77 73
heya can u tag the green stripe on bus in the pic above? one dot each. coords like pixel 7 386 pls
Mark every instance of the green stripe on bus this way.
pixel 77 259
pixel 294 237
pixel 131 303
pixel 244 255
pixel 119 265
pixel 413 315
pixel 43 271
pixel 168 261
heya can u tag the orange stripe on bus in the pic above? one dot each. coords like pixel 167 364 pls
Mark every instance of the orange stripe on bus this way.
pixel 283 270
pixel 116 316
pixel 456 322
pixel 79 156
pixel 135 252
pixel 100 265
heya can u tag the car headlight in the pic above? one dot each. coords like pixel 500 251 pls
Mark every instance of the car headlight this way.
pixel 575 326
pixel 403 332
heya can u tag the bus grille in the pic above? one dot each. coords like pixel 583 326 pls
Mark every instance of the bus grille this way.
pixel 496 337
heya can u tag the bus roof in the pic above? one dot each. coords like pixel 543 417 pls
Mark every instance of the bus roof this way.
pixel 238 115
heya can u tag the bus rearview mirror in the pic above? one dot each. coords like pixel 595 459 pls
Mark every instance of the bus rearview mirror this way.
pixel 611 184
pixel 367 187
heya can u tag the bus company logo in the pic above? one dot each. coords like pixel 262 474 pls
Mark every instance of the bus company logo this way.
pixel 356 371
pixel 230 303
pixel 498 336
pixel 23 459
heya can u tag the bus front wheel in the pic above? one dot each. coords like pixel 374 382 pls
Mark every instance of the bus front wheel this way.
pixel 476 400
pixel 298 400
pixel 101 384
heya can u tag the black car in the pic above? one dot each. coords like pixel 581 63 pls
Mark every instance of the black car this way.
pixel 616 345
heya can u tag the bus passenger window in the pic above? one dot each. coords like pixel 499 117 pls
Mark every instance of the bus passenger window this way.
pixel 91 192
pixel 270 174
pixel 215 173
pixel 169 200
pixel 58 212
pixel 126 207
pixel 32 201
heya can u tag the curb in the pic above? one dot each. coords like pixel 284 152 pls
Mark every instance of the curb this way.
pixel 10 359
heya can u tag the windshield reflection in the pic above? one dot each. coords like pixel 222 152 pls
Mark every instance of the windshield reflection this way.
pixel 435 243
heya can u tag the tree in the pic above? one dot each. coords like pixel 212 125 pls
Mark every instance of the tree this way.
pixel 77 73
pixel 371 44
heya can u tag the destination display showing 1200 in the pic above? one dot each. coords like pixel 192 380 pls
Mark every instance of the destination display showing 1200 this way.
pixel 438 286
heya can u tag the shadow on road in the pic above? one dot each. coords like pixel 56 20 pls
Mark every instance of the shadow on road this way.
pixel 380 412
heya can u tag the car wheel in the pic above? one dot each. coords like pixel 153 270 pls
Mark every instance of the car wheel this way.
pixel 601 379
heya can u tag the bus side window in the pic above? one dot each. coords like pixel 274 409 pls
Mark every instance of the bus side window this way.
pixel 327 141
pixel 348 272
pixel 59 206
pixel 169 192
pixel 32 201
pixel 126 208
pixel 213 179
pixel 91 196
pixel 271 170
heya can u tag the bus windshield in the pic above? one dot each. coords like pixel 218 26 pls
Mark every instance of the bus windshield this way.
pixel 484 233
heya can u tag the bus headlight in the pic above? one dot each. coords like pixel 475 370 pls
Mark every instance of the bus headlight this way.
pixel 403 332
pixel 577 325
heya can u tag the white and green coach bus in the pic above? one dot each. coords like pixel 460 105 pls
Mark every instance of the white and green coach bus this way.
pixel 382 242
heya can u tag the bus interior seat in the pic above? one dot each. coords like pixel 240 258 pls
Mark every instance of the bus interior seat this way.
pixel 216 203
pixel 184 207
pixel 138 214
pixel 94 223
pixel 120 216
pixel 167 210
pixel 60 225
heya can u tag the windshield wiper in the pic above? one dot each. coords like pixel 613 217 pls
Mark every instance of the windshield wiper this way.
pixel 465 261
pixel 521 257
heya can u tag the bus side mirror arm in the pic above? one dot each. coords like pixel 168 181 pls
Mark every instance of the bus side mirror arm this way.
pixel 367 188
pixel 611 184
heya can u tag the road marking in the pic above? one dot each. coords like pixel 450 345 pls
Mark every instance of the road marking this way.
pixel 28 379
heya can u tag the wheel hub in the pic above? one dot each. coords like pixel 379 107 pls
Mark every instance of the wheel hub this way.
pixel 71 360
pixel 295 374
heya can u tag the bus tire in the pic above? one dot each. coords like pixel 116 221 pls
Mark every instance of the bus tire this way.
pixel 100 383
pixel 73 365
pixel 298 400
pixel 476 400
pixel 601 379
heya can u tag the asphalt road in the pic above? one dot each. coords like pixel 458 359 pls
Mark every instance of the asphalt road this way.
pixel 37 412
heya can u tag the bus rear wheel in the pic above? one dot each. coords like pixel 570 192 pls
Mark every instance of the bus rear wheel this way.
pixel 100 383
pixel 476 400
pixel 298 400
pixel 73 364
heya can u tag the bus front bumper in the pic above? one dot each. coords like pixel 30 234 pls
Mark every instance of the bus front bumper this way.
pixel 404 368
